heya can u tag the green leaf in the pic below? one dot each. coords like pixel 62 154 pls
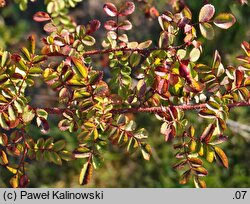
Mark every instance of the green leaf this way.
pixel 209 153
pixel 123 139
pixel 141 134
pixel 145 44
pixel 49 143
pixel 54 157
pixel 11 112
pixel 132 145
pixel 121 120
pixel 206 13
pixel 18 106
pixel 199 148
pixel 80 69
pixel 37 59
pixel 207 30
pixel 134 59
pixel 224 20
pixel 221 157
pixel 40 143
pixel 65 155
pixel 42 113
pixel 213 106
pixel 130 126
pixel 206 113
pixel 88 40
pixel 96 161
pixel 59 145
pixel 85 174
pixel 39 155
pixel 4 58
pixel 28 115
pixel 194 54
pixel 181 53
pixel 3 121
pixel 95 77
pixel 26 53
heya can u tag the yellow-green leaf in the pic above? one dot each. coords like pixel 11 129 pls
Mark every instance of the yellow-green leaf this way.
pixel 3 158
pixel 80 69
pixel 54 157
pixel 14 181
pixel 209 153
pixel 224 20
pixel 207 30
pixel 221 156
pixel 59 145
pixel 86 173
pixel 199 183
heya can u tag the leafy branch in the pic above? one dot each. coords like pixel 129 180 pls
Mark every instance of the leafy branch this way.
pixel 166 80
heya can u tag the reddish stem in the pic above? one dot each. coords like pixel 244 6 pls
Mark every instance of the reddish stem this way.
pixel 124 49
pixel 59 111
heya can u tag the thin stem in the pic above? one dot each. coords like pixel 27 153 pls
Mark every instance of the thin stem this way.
pixel 185 107
pixel 124 49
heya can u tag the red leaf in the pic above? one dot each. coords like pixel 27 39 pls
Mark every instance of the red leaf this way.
pixel 92 26
pixel 110 25
pixel 49 27
pixel 41 16
pixel 110 9
pixel 162 86
pixel 207 133
pixel 184 70
pixel 24 181
pixel 127 9
pixel 206 13
pixel 246 47
pixel 16 58
pixel 239 76
pixel 161 70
